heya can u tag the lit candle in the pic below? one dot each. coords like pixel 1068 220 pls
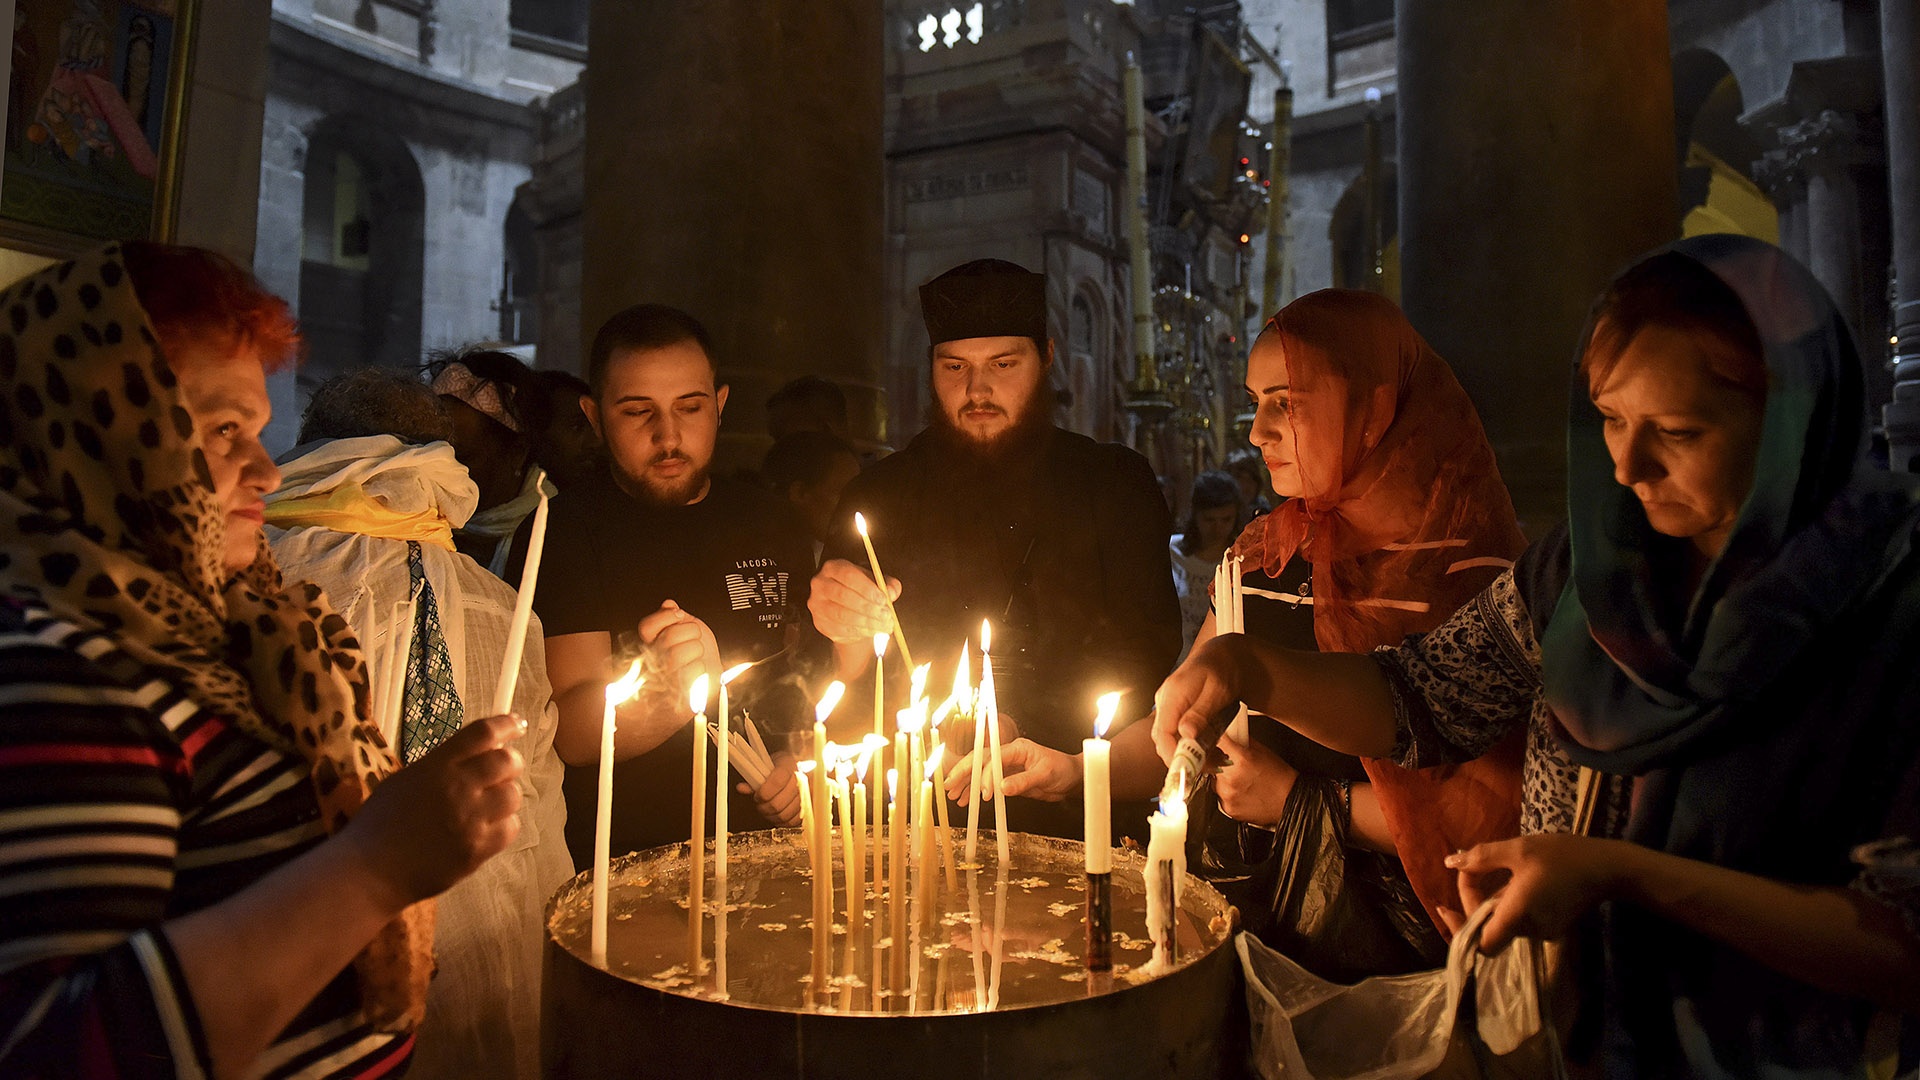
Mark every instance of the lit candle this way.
pixel 1097 788
pixel 855 868
pixel 880 579
pixel 990 708
pixel 940 802
pixel 823 833
pixel 923 848
pixel 876 748
pixel 619 690
pixel 697 838
pixel 819 867
pixel 879 684
pixel 903 760
pixel 976 761
pixel 722 782
pixel 859 899
pixel 1165 876
pixel 896 894
pixel 523 606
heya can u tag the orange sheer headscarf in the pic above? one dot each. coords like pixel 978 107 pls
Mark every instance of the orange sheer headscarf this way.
pixel 1404 517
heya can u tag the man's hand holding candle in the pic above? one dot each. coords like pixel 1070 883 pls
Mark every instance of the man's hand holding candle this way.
pixel 849 609
pixel 1033 771
pixel 778 800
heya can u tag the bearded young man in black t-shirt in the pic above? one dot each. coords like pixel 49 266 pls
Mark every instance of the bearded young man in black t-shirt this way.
pixel 690 572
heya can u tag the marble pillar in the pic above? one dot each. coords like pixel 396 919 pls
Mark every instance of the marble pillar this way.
pixel 1900 60
pixel 733 168
pixel 1517 204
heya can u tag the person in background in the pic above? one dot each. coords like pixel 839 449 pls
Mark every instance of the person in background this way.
pixel 808 403
pixel 1213 519
pixel 1247 470
pixel 1715 654
pixel 811 469
pixel 564 442
pixel 688 571
pixel 366 509
pixel 198 873
pixel 495 402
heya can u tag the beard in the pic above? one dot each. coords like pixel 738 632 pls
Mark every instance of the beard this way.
pixel 663 492
pixel 1021 439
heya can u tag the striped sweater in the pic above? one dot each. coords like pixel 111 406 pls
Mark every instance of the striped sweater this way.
pixel 123 804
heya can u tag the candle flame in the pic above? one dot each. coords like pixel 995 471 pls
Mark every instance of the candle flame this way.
pixel 962 684
pixel 874 742
pixel 879 645
pixel 697 695
pixel 804 766
pixel 893 783
pixel 626 686
pixel 1108 705
pixel 829 701
pixel 933 762
pixel 940 714
pixel 909 720
pixel 919 682
pixel 986 639
pixel 733 673
pixel 1176 805
pixel 860 523
pixel 860 764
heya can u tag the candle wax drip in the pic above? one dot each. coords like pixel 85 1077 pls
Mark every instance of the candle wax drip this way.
pixel 1041 943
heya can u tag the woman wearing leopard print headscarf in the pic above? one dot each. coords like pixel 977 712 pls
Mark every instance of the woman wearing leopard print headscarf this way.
pixel 189 857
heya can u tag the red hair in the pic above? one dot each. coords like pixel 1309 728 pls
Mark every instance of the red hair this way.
pixel 191 294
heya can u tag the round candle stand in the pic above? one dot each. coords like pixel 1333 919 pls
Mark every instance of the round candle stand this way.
pixel 998 984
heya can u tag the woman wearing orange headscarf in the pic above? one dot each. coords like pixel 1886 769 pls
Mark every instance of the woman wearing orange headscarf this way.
pixel 1394 516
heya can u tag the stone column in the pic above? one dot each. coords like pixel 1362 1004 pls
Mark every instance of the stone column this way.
pixel 733 168
pixel 1516 208
pixel 1900 56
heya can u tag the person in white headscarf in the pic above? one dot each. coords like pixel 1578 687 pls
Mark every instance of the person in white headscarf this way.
pixel 367 509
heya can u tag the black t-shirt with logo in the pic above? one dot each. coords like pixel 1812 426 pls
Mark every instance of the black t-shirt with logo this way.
pixel 740 560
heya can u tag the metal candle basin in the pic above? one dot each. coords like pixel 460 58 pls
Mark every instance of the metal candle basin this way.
pixel 1187 1022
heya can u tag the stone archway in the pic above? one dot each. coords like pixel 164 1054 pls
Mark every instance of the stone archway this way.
pixel 362 250
pixel 1080 368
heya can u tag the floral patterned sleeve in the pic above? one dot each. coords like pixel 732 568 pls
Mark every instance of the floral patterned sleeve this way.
pixel 1461 687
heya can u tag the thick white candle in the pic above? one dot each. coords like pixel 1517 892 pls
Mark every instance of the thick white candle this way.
pixel 1097 789
pixel 1166 853
pixel 522 607
pixel 617 691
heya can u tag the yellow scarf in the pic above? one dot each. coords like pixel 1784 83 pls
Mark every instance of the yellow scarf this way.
pixel 348 508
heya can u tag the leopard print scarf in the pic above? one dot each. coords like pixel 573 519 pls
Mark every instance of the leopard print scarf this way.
pixel 109 517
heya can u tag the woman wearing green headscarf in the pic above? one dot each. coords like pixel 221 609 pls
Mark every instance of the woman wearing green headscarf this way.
pixel 1725 634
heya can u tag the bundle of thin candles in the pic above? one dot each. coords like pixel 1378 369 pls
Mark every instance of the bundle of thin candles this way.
pixel 749 756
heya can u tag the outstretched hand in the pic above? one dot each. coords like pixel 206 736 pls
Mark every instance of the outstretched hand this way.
pixel 437 820
pixel 1540 884
pixel 1254 783
pixel 846 605
pixel 778 800
pixel 680 647
pixel 1197 691
pixel 1032 770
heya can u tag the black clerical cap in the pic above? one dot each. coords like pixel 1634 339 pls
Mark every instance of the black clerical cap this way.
pixel 985 298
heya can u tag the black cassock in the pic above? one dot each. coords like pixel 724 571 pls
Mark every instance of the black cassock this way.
pixel 1063 548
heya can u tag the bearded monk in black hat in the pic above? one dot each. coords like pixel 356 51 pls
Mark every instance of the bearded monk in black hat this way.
pixel 994 513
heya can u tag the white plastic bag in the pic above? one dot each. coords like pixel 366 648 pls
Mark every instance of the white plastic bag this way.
pixel 1402 1027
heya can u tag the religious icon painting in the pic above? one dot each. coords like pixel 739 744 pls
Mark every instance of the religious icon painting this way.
pixel 96 93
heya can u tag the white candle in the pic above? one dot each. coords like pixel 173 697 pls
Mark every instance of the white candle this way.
pixel 990 708
pixel 618 691
pixel 880 579
pixel 697 835
pixel 879 684
pixel 723 782
pixel 1097 789
pixel 1166 855
pixel 977 760
pixel 523 607
pixel 1237 606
